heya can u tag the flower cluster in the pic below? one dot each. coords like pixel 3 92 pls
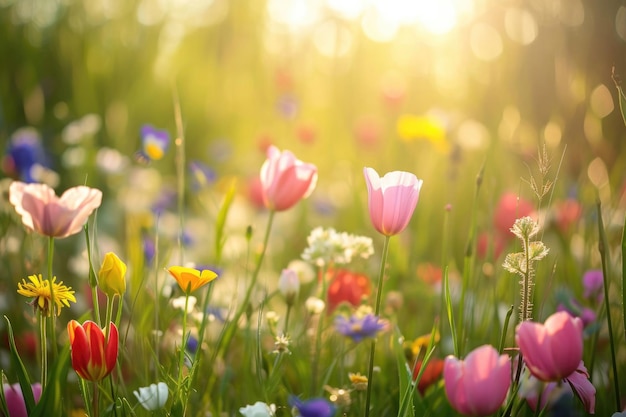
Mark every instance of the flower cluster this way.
pixel 326 247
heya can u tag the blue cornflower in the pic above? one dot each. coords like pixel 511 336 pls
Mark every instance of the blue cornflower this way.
pixel 154 144
pixel 315 407
pixel 192 345
pixel 358 327
pixel 24 152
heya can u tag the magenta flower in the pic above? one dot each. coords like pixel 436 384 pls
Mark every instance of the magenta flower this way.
pixel 552 350
pixel 391 199
pixel 45 213
pixel 593 283
pixel 478 385
pixel 15 399
pixel 578 382
pixel 285 180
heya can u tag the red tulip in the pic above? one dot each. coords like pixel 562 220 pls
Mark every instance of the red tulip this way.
pixel 93 357
pixel 432 373
pixel 391 199
pixel 285 180
pixel 552 350
pixel 347 287
pixel 45 213
pixel 478 385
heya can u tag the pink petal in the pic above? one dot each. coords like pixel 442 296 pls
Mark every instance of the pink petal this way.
pixel 584 389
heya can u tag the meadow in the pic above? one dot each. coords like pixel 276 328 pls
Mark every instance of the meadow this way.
pixel 312 208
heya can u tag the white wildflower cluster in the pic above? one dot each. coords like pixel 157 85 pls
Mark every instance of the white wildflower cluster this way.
pixel 327 246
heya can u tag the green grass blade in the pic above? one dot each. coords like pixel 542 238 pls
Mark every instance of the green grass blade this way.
pixel 220 221
pixel 446 285
pixel 624 275
pixel 602 246
pixel 51 402
pixel 405 375
pixel 22 375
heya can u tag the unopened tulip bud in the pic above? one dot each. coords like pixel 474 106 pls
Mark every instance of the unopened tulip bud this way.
pixel 112 276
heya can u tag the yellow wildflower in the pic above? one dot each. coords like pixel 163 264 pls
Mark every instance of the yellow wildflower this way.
pixel 39 290
pixel 190 279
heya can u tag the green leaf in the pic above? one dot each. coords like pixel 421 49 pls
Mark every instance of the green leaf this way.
pixel 22 375
pixel 405 374
pixel 51 402
pixel 220 222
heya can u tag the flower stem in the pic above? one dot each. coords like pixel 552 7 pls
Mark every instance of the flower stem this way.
pixel 318 334
pixel 95 398
pixel 93 282
pixel 181 358
pixel 379 292
pixel 231 326
pixel 180 171
pixel 53 305
pixel 43 323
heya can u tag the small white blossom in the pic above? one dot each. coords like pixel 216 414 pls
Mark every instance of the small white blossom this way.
pixel 314 305
pixel 258 409
pixel 153 397
pixel 305 271
pixel 179 303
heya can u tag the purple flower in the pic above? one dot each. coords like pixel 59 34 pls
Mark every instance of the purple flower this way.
pixel 201 175
pixel 577 382
pixel 149 249
pixel 593 282
pixel 15 400
pixel 359 327
pixel 154 144
pixel 24 152
pixel 315 407
pixel 192 344
pixel 164 200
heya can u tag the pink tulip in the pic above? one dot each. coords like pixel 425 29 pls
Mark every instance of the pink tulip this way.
pixel 15 400
pixel 391 199
pixel 45 213
pixel 478 385
pixel 553 350
pixel 285 180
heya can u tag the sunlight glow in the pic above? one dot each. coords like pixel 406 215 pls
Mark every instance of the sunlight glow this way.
pixel 380 19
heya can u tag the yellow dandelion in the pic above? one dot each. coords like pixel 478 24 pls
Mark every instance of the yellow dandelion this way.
pixel 359 382
pixel 39 290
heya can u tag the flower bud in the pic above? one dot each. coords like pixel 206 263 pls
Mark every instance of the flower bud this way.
pixel 112 276
pixel 289 285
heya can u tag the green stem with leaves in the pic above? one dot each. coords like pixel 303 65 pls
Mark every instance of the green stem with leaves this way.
pixel 379 292
pixel 231 326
